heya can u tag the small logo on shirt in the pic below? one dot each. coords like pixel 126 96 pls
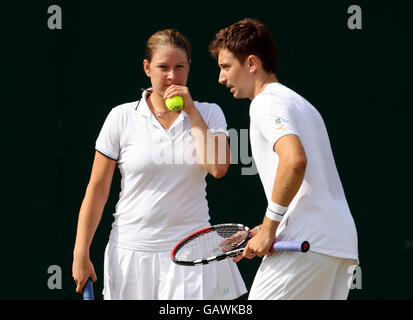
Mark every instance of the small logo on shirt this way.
pixel 279 121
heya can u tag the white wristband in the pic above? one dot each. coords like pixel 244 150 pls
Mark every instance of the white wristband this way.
pixel 275 211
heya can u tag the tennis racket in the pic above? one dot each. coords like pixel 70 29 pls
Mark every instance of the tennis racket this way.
pixel 222 241
pixel 88 290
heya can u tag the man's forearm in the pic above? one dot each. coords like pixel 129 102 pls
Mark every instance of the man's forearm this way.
pixel 289 177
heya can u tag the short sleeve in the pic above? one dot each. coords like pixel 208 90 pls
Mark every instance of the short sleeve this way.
pixel 216 120
pixel 276 118
pixel 108 141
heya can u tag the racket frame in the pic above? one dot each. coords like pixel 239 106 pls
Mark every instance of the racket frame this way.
pixel 302 246
pixel 233 253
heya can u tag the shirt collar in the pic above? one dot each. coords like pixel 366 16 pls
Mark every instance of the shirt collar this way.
pixel 143 107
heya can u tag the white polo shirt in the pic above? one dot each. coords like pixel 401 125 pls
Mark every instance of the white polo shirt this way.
pixel 163 195
pixel 319 212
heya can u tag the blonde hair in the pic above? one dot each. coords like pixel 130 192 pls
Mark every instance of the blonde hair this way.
pixel 167 37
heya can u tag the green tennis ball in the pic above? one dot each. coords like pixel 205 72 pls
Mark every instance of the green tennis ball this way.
pixel 175 103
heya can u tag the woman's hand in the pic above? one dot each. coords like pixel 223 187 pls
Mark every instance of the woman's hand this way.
pixel 82 270
pixel 176 90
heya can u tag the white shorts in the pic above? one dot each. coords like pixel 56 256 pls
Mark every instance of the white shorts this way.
pixel 302 276
pixel 137 275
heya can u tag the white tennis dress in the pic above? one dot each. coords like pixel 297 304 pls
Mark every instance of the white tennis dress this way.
pixel 162 200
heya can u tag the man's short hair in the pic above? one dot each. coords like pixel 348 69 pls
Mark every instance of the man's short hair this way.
pixel 246 37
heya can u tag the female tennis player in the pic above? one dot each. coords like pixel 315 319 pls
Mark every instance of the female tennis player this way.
pixel 162 196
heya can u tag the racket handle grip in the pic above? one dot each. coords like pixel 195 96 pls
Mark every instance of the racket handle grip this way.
pixel 301 246
pixel 88 290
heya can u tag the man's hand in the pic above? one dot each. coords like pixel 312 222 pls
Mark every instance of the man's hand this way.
pixel 259 245
pixel 233 241
pixel 254 231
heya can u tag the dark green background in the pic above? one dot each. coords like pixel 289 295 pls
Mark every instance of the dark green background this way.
pixel 58 86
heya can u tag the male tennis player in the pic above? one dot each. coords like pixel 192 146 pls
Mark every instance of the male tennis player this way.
pixel 291 148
